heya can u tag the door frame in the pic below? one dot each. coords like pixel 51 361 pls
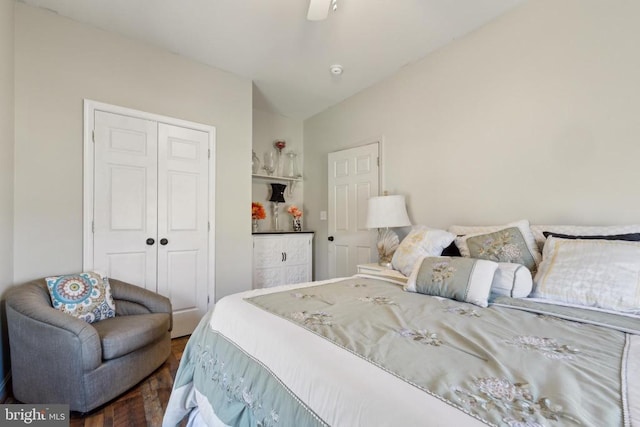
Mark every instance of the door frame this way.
pixel 90 107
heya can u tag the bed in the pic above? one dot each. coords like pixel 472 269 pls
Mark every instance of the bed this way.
pixel 421 347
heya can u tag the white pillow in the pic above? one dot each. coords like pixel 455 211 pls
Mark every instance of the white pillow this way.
pixel 512 280
pixel 581 230
pixel 420 242
pixel 594 273
pixel 462 279
pixel 511 242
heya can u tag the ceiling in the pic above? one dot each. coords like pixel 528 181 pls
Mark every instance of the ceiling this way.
pixel 287 57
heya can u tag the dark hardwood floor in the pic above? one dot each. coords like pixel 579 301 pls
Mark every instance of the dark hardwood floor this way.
pixel 143 405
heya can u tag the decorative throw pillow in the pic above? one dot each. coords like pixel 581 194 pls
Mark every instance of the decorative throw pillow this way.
pixel 581 230
pixel 630 237
pixel 462 279
pixel 512 280
pixel 594 273
pixel 86 296
pixel 420 242
pixel 512 243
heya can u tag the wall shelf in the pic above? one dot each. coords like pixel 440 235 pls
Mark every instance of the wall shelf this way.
pixel 275 178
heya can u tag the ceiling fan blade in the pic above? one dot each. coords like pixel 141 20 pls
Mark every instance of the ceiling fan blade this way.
pixel 318 10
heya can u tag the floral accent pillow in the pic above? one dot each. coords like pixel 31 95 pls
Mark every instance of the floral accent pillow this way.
pixel 594 273
pixel 513 243
pixel 86 296
pixel 420 242
pixel 462 279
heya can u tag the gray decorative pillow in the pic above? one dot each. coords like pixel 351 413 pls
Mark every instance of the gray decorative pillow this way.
pixel 462 279
pixel 514 243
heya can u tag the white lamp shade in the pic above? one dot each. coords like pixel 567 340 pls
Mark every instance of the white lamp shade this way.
pixel 387 211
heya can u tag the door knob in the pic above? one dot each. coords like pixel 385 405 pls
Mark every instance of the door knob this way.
pixel 330 238
pixel 150 241
pixel 163 241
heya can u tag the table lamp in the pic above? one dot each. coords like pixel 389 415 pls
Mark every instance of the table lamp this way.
pixel 384 213
pixel 277 196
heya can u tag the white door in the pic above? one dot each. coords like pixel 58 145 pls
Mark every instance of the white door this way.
pixel 353 179
pixel 126 196
pixel 183 223
pixel 151 210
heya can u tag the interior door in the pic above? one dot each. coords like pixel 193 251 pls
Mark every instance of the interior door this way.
pixel 126 197
pixel 151 210
pixel 183 156
pixel 353 179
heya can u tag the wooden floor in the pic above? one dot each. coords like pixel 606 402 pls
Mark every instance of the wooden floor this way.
pixel 143 405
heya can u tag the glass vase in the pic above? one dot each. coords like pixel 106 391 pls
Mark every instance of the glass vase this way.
pixel 270 162
pixel 297 224
pixel 290 169
pixel 255 163
pixel 255 226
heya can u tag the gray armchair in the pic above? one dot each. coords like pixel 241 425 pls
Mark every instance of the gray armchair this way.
pixel 57 358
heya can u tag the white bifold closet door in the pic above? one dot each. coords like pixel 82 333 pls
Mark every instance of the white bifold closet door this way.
pixel 151 210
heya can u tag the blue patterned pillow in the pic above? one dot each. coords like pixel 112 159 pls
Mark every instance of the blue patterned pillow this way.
pixel 86 296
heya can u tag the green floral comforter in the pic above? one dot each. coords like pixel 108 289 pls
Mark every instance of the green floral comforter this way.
pixel 501 365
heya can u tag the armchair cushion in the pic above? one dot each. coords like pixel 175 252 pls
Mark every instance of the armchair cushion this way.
pixel 123 334
pixel 86 296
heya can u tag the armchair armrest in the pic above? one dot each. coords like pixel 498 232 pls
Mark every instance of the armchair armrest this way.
pixel 33 322
pixel 132 299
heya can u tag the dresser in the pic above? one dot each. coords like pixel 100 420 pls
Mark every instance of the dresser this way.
pixel 282 258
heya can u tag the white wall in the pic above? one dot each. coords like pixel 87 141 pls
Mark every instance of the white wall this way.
pixel 6 170
pixel 533 116
pixel 267 128
pixel 58 63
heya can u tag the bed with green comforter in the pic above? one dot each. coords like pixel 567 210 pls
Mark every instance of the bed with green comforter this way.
pixel 363 352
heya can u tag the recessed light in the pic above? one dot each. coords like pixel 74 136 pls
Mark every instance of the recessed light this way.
pixel 336 69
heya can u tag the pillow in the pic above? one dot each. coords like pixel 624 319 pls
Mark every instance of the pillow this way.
pixel 581 230
pixel 630 237
pixel 86 296
pixel 594 273
pixel 451 250
pixel 462 279
pixel 510 243
pixel 420 242
pixel 511 280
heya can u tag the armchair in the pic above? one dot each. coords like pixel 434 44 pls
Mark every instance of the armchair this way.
pixel 57 358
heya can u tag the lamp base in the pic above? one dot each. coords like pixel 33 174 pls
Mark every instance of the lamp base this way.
pixel 385 264
pixel 387 244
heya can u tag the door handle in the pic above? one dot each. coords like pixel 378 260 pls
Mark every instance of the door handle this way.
pixel 330 238
pixel 150 241
pixel 285 257
pixel 282 256
pixel 163 241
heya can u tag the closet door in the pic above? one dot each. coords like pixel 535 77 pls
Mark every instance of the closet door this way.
pixel 183 176
pixel 151 210
pixel 125 198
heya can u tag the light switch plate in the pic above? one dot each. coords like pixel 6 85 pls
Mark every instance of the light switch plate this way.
pixel 323 215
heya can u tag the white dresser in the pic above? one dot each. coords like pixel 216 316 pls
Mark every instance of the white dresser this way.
pixel 282 258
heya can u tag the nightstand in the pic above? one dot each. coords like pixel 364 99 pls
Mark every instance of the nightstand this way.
pixel 370 268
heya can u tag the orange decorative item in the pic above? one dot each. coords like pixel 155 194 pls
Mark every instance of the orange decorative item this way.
pixel 296 214
pixel 257 213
